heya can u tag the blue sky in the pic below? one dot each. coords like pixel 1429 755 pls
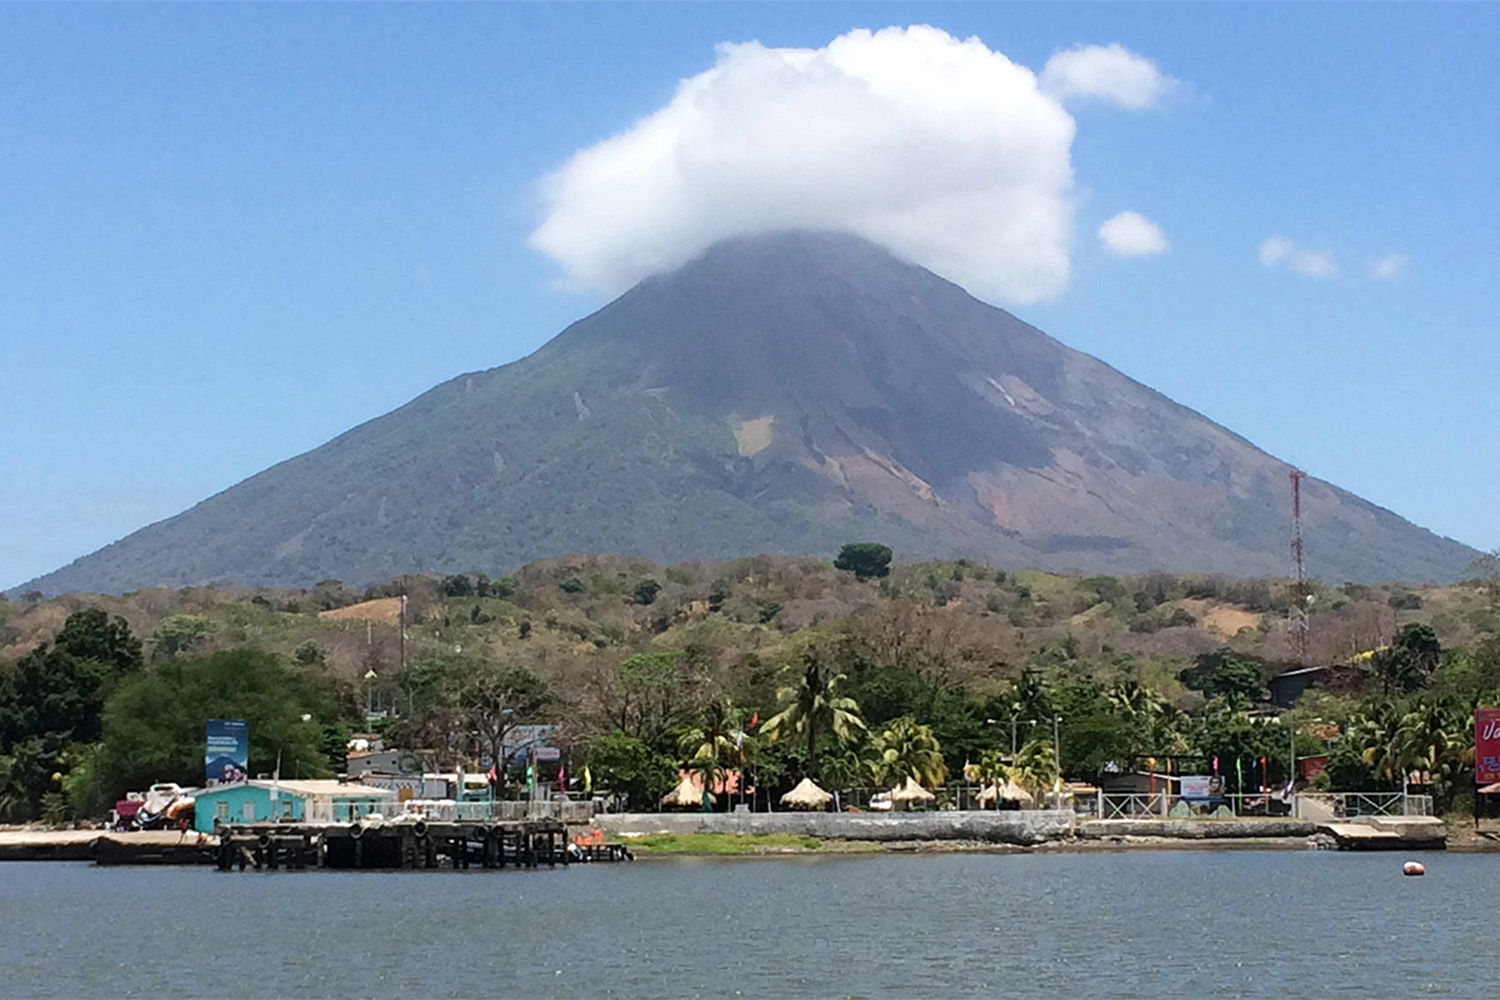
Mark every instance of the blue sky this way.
pixel 230 232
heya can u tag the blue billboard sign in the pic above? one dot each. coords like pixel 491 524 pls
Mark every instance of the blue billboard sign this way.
pixel 227 760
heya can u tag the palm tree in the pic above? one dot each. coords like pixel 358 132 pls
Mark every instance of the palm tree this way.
pixel 909 750
pixel 717 738
pixel 1377 733
pixel 852 765
pixel 1154 722
pixel 814 705
pixel 1035 768
pixel 992 769
pixel 1436 739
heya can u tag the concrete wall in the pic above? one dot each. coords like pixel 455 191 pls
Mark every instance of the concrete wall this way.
pixel 1199 829
pixel 1024 827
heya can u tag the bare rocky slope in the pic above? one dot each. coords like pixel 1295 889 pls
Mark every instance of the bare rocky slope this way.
pixel 783 393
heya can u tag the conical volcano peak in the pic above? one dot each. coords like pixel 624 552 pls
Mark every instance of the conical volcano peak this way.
pixel 783 392
pixel 783 254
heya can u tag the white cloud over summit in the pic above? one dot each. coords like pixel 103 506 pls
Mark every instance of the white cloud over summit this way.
pixel 940 149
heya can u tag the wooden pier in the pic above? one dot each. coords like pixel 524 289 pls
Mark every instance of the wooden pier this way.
pixel 485 844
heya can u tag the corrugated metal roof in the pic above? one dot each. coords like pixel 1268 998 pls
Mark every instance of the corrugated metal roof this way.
pixel 311 788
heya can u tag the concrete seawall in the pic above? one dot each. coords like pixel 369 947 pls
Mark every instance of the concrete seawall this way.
pixel 1191 829
pixel 1028 828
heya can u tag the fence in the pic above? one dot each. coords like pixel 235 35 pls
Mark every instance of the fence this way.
pixel 1339 805
pixel 1302 805
pixel 568 812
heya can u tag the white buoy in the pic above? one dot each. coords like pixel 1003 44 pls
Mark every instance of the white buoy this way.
pixel 1414 868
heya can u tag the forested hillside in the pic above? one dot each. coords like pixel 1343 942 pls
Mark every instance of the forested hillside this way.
pixel 630 658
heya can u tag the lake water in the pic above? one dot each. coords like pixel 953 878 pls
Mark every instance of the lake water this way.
pixel 1148 924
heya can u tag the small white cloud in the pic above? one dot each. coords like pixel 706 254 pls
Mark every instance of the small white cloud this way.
pixel 942 150
pixel 1388 268
pixel 1105 72
pixel 1275 249
pixel 1131 234
pixel 1278 251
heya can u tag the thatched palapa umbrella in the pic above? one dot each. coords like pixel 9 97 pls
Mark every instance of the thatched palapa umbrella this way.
pixel 807 795
pixel 1009 792
pixel 686 795
pixel 910 792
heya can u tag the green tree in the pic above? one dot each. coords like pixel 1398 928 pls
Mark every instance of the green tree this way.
pixel 1438 740
pixel 1229 733
pixel 993 769
pixel 309 654
pixel 93 635
pixel 1225 674
pixel 1035 768
pixel 458 585
pixel 710 746
pixel 630 768
pixel 814 704
pixel 653 695
pixel 494 699
pixel 178 634
pixel 866 560
pixel 154 722
pixel 1411 659
pixel 53 695
pixel 908 749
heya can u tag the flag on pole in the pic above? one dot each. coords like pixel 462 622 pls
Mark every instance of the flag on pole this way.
pixel 562 777
pixel 494 774
pixel 1216 765
pixel 1239 775
pixel 754 720
pixel 588 781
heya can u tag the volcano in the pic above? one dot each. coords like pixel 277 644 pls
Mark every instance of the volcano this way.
pixel 782 393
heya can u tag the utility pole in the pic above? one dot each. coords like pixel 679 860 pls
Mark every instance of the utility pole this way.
pixel 1297 620
pixel 403 624
pixel 1056 752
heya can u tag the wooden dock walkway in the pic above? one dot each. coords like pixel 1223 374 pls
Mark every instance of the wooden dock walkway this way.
pixel 405 844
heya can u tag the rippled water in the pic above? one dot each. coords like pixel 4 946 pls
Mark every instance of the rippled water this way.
pixel 1187 923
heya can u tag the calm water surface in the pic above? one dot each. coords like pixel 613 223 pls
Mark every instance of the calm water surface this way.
pixel 1189 924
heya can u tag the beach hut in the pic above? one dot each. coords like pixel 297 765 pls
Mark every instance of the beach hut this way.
pixel 687 795
pixel 807 795
pixel 910 792
pixel 1010 794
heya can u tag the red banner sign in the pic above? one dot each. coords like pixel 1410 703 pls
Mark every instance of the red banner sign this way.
pixel 1486 745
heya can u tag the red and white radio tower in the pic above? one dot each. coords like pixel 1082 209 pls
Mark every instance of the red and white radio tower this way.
pixel 1297 618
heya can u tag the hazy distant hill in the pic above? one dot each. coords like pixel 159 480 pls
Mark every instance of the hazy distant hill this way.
pixel 784 393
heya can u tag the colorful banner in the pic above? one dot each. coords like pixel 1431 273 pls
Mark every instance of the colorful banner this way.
pixel 1487 745
pixel 1200 786
pixel 227 760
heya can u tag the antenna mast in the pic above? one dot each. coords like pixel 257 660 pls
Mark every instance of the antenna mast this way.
pixel 1297 618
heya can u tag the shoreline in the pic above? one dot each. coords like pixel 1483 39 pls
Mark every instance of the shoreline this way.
pixel 1069 846
pixel 169 847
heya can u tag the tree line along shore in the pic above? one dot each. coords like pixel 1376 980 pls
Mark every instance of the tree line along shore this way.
pixel 856 672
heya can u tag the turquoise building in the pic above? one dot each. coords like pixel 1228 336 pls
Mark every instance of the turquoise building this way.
pixel 262 801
